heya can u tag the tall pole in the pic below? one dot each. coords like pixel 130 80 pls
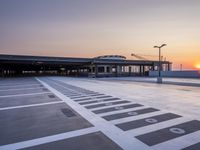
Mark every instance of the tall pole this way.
pixel 159 71
pixel 159 79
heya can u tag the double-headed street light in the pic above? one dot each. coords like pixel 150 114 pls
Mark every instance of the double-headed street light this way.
pixel 159 79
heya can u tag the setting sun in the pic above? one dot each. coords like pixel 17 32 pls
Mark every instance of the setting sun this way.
pixel 198 66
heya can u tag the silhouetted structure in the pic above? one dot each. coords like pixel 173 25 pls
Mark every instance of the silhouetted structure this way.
pixel 102 66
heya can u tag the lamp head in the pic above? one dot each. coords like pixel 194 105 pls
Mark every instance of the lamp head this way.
pixel 163 45
pixel 160 46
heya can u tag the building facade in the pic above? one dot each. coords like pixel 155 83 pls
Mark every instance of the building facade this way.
pixel 101 66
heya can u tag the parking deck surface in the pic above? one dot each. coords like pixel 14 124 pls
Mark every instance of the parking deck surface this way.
pixel 73 113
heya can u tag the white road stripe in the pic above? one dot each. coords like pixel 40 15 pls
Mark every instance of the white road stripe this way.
pixel 24 94
pixel 122 110
pixel 17 89
pixel 48 139
pixel 103 102
pixel 32 105
pixel 158 126
pixel 180 142
pixel 124 140
pixel 23 85
pixel 122 120
pixel 110 106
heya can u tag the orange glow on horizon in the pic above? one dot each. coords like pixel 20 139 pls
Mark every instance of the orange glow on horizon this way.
pixel 197 66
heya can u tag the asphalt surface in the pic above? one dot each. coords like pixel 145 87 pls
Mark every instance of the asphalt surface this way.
pixel 73 114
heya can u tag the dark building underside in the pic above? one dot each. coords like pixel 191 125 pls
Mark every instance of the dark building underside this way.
pixel 19 65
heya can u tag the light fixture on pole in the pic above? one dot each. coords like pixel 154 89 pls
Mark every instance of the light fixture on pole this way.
pixel 159 79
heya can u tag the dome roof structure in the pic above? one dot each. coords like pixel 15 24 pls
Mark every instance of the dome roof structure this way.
pixel 116 57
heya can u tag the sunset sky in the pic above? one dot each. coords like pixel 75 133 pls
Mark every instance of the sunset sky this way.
pixel 87 28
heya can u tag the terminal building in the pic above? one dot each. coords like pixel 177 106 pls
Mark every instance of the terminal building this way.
pixel 101 66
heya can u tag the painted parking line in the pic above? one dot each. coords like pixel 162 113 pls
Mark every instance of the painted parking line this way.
pixel 48 139
pixel 106 104
pixel 146 121
pixel 193 147
pixel 149 120
pixel 67 93
pixel 21 89
pixel 116 108
pixel 27 100
pixel 18 82
pixel 119 110
pixel 100 97
pixel 12 88
pixel 17 92
pixel 71 94
pixel 93 141
pixel 77 89
pixel 24 94
pixel 83 99
pixel 108 129
pixel 96 94
pixel 23 85
pixel 89 93
pixel 156 126
pixel 40 121
pixel 74 88
pixel 179 143
pixel 58 86
pixel 32 105
pixel 130 113
pixel 132 118
pixel 98 101
pixel 76 97
pixel 169 133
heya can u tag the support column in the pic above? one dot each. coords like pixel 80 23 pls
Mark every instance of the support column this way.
pixel 129 70
pixel 153 67
pixel 116 71
pixel 140 70
pixel 77 72
pixel 168 67
pixel 105 69
pixel 143 70
pixel 96 71
pixel 123 69
pixel 1 69
pixel 110 69
pixel 119 70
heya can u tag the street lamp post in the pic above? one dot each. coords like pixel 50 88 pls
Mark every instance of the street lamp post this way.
pixel 159 78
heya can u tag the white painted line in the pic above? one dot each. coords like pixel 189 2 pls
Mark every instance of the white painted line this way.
pixel 66 88
pixel 122 110
pixel 81 99
pixel 77 92
pixel 32 105
pixel 48 139
pixel 180 142
pixel 23 85
pixel 157 126
pixel 124 140
pixel 83 94
pixel 21 89
pixel 103 102
pixel 87 96
pixel 24 94
pixel 115 105
pixel 122 120
pixel 18 82
pixel 74 98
